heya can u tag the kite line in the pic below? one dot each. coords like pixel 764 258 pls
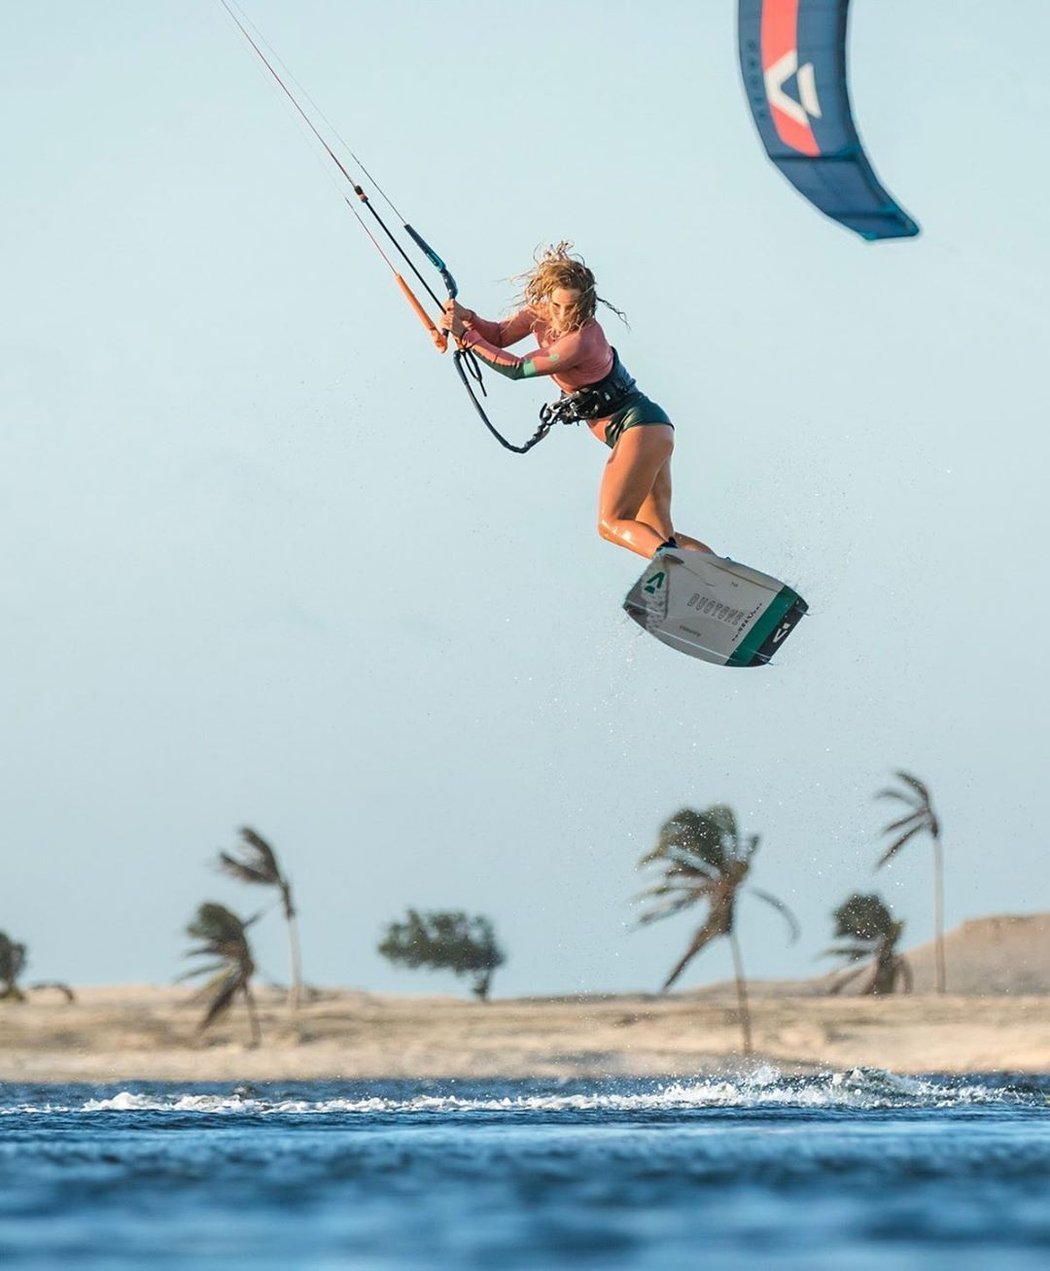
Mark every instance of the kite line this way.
pixel 465 362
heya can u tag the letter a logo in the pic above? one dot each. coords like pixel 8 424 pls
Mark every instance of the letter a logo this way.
pixel 792 115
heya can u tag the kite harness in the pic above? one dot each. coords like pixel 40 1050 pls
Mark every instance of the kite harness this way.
pixel 595 401
pixel 569 409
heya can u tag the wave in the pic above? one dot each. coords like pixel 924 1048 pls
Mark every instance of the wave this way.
pixel 858 1089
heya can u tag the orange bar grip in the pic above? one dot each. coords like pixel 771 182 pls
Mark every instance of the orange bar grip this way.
pixel 440 338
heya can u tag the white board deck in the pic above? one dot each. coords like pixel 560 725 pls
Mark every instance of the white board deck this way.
pixel 714 608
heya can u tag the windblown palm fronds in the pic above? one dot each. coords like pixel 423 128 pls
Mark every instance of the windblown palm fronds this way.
pixel 704 858
pixel 920 818
pixel 13 958
pixel 223 938
pixel 868 933
pixel 257 863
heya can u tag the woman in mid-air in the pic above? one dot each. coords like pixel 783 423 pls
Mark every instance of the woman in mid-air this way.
pixel 558 306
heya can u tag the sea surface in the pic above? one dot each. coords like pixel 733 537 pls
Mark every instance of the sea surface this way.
pixel 848 1171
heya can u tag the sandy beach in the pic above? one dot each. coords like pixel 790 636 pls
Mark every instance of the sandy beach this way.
pixel 141 1033
pixel 996 1018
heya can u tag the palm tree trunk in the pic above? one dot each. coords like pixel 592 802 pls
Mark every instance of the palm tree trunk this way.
pixel 885 965
pixel 741 993
pixel 938 912
pixel 253 1017
pixel 295 992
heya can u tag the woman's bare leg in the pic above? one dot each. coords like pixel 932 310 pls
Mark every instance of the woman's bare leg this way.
pixel 656 506
pixel 633 468
pixel 656 511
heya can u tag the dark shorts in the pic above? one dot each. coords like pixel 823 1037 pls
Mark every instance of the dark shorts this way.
pixel 636 412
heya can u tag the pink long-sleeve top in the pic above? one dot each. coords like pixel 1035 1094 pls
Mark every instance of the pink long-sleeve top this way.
pixel 574 360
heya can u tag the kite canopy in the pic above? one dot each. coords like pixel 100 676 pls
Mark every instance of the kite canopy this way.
pixel 793 59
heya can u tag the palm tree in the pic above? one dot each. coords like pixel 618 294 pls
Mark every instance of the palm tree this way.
pixel 223 937
pixel 869 934
pixel 920 818
pixel 12 964
pixel 257 863
pixel 13 961
pixel 704 858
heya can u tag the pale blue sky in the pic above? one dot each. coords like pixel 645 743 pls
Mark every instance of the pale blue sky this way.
pixel 262 565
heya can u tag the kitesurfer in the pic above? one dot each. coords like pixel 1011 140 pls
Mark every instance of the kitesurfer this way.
pixel 558 305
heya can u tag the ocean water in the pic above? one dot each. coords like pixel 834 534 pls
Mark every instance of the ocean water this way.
pixel 844 1171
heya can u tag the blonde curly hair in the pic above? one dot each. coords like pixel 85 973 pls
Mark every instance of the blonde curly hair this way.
pixel 557 266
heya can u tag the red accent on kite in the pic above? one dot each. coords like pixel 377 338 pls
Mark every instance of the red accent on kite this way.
pixel 779 40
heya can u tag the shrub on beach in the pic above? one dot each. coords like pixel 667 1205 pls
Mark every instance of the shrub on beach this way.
pixel 446 940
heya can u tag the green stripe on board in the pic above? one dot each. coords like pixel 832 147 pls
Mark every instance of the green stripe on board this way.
pixel 763 628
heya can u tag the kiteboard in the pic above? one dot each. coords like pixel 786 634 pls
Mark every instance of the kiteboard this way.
pixel 714 608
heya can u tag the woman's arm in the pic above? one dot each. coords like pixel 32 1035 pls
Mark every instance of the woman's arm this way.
pixel 557 358
pixel 501 334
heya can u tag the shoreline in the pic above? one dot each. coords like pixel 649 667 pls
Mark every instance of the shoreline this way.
pixel 140 1033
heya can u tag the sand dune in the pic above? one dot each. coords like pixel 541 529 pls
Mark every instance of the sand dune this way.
pixel 1002 956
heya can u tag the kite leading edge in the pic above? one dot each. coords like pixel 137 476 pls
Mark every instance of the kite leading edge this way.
pixel 793 60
